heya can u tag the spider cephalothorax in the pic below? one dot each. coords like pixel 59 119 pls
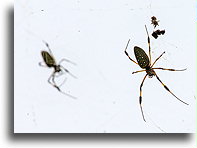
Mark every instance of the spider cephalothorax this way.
pixel 57 68
pixel 150 72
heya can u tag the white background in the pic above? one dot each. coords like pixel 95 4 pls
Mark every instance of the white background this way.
pixel 94 34
pixel 6 140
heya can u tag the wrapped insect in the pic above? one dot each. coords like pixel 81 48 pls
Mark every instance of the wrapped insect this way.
pixel 154 21
pixel 156 33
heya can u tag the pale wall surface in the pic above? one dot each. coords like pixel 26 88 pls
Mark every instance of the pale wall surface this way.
pixel 94 34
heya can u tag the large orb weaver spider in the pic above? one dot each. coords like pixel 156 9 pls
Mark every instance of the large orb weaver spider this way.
pixel 49 61
pixel 145 63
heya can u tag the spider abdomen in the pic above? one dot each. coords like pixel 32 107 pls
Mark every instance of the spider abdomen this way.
pixel 141 57
pixel 48 59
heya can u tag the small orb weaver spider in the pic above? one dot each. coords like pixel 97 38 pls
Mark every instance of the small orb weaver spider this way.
pixel 49 61
pixel 145 63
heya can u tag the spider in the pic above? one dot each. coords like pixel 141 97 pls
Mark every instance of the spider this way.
pixel 154 21
pixel 49 61
pixel 145 63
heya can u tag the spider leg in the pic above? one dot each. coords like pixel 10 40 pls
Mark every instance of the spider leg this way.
pixel 169 90
pixel 68 72
pixel 66 60
pixel 157 59
pixel 53 84
pixel 52 77
pixel 148 43
pixel 42 64
pixel 128 54
pixel 138 71
pixel 140 98
pixel 170 69
pixel 63 82
pixel 60 74
pixel 48 47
